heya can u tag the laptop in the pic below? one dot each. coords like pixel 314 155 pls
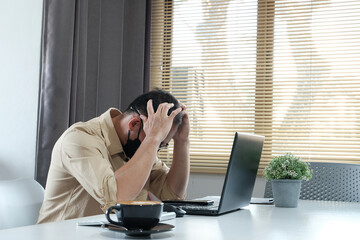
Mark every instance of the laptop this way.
pixel 240 177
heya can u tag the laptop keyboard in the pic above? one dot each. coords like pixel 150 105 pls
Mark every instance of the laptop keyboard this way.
pixel 197 207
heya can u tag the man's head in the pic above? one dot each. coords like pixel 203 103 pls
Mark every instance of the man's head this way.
pixel 135 134
pixel 158 96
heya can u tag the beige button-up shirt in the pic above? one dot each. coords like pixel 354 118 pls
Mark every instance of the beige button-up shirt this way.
pixel 81 178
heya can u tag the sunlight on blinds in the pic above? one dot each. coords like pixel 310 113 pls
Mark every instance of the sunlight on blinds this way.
pixel 288 70
pixel 316 85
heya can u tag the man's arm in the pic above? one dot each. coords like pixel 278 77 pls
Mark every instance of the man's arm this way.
pixel 178 176
pixel 132 177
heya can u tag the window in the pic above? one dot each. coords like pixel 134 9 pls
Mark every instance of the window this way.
pixel 288 70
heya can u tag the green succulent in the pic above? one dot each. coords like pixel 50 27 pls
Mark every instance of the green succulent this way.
pixel 287 166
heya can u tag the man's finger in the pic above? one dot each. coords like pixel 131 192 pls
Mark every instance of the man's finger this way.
pixel 182 105
pixel 163 108
pixel 175 112
pixel 150 108
pixel 143 118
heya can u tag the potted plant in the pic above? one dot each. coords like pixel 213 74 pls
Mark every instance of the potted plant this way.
pixel 286 172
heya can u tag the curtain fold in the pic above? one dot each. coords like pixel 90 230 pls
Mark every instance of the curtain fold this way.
pixel 94 56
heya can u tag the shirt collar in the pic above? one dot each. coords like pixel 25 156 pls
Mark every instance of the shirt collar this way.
pixel 112 140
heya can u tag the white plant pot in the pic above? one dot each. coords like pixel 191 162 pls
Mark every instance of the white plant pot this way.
pixel 286 192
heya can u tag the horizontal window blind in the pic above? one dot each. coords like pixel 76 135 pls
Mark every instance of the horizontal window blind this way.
pixel 288 70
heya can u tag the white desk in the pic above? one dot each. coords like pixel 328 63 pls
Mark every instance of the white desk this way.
pixel 311 220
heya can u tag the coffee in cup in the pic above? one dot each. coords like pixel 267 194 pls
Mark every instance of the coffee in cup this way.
pixel 136 214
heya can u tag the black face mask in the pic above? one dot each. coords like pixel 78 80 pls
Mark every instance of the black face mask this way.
pixel 132 145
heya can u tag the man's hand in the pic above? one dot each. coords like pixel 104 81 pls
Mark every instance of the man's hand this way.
pixel 182 134
pixel 158 124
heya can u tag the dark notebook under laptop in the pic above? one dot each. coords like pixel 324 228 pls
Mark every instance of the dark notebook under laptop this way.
pixel 240 177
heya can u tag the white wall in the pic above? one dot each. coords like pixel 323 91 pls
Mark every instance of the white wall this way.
pixel 20 41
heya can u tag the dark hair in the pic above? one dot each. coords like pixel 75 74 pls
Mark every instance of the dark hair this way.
pixel 158 96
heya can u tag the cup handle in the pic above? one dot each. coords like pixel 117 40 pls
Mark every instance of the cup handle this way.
pixel 108 211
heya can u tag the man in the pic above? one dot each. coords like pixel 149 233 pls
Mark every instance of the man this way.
pixel 114 157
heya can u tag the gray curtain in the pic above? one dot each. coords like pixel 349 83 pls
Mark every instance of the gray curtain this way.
pixel 95 55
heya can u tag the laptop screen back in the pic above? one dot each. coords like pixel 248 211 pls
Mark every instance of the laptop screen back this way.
pixel 241 172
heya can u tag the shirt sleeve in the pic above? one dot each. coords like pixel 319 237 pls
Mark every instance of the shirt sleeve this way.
pixel 85 157
pixel 158 183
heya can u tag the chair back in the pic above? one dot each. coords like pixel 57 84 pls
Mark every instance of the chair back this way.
pixel 20 202
pixel 330 181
